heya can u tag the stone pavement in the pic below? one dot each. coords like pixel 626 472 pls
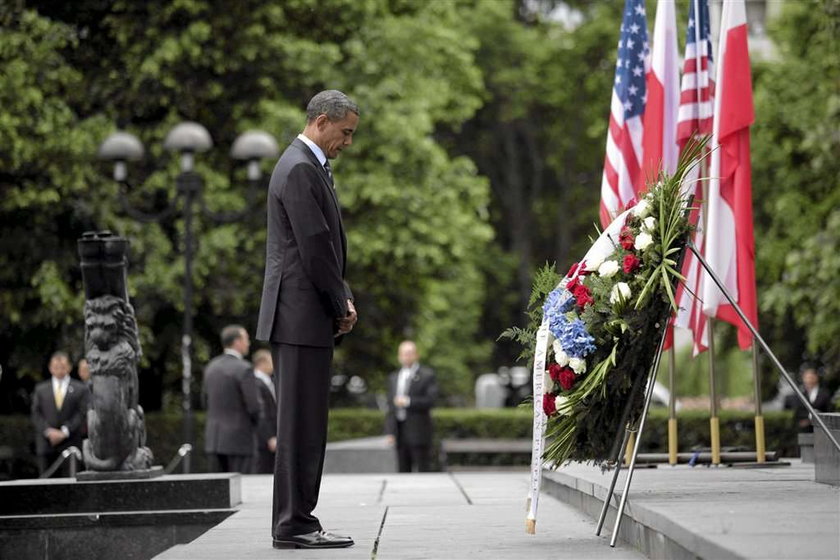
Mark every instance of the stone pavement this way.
pixel 412 516
pixel 713 512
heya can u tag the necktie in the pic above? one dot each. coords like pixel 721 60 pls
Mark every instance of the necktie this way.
pixel 59 396
pixel 329 171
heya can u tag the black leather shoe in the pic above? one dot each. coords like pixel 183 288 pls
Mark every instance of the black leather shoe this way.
pixel 315 539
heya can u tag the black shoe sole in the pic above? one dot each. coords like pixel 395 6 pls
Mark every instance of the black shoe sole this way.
pixel 291 544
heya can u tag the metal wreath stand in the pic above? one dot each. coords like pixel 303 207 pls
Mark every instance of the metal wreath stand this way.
pixel 652 376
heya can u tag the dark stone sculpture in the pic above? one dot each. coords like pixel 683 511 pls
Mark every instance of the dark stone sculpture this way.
pixel 116 428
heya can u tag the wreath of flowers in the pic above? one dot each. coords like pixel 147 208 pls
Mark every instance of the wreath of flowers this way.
pixel 606 318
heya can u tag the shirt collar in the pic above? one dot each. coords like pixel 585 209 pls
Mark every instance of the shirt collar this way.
pixel 319 153
pixel 262 376
pixel 232 352
pixel 61 382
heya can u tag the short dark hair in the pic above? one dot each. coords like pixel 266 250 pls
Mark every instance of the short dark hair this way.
pixel 261 356
pixel 231 334
pixel 60 354
pixel 332 103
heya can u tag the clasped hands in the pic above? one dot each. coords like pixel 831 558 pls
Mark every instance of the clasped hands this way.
pixel 55 436
pixel 345 324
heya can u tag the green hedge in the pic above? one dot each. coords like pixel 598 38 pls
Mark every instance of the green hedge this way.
pixel 165 432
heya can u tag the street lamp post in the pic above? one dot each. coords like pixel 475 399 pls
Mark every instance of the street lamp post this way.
pixel 187 139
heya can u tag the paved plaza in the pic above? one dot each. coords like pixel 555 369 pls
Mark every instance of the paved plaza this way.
pixel 673 512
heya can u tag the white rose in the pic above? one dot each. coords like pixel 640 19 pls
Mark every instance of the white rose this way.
pixel 620 292
pixel 560 356
pixel 562 405
pixel 643 241
pixel 642 208
pixel 578 365
pixel 649 223
pixel 594 261
pixel 608 269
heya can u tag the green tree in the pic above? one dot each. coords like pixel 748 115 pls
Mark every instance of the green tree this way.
pixel 796 180
pixel 415 215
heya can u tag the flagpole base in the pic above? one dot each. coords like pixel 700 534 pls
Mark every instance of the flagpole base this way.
pixel 672 441
pixel 531 526
pixel 714 422
pixel 759 439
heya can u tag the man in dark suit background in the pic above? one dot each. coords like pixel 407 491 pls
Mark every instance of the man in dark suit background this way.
pixel 305 305
pixel 59 409
pixel 817 395
pixel 267 428
pixel 233 409
pixel 412 391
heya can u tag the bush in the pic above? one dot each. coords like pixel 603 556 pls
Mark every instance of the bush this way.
pixel 165 432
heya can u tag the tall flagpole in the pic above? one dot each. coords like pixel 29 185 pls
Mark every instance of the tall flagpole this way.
pixel 714 422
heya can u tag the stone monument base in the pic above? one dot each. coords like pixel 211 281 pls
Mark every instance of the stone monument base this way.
pixel 129 519
pixel 826 456
pixel 138 474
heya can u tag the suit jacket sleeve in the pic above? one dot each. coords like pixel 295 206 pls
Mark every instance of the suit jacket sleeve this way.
pixel 248 388
pixel 425 400
pixel 312 234
pixel 267 426
pixel 38 418
pixel 77 420
pixel 391 415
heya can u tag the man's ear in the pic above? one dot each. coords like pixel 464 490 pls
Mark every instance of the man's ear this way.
pixel 321 121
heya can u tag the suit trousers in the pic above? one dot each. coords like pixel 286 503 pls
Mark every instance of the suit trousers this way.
pixel 230 463
pixel 303 377
pixel 411 456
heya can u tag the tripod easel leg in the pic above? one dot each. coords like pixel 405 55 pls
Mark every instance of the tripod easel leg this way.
pixel 631 467
pixel 608 498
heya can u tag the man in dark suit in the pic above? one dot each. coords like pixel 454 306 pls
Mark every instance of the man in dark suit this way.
pixel 305 305
pixel 412 391
pixel 267 428
pixel 59 407
pixel 233 409
pixel 817 395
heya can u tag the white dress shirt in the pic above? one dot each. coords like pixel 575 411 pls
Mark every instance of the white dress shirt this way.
pixel 319 153
pixel 403 381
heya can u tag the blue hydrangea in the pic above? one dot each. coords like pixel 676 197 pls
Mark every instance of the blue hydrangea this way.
pixel 559 301
pixel 575 340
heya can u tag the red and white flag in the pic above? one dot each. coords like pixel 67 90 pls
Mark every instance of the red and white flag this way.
pixel 695 120
pixel 730 247
pixel 623 178
pixel 660 148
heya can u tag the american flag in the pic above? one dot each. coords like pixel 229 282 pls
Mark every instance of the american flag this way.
pixel 698 87
pixel 623 177
pixel 694 119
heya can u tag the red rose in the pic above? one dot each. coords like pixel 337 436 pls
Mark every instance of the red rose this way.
pixel 625 238
pixel 549 407
pixel 578 268
pixel 554 372
pixel 567 378
pixel 631 263
pixel 583 296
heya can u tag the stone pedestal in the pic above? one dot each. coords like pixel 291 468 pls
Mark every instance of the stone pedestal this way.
pixel 65 518
pixel 826 456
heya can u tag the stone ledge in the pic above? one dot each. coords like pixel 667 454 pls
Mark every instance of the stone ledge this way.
pixel 70 496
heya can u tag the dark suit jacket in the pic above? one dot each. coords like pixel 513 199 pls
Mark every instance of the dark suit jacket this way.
pixel 304 290
pixel 821 404
pixel 233 410
pixel 73 414
pixel 422 393
pixel 267 427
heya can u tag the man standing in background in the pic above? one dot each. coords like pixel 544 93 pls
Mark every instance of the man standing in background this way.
pixel 267 428
pixel 412 391
pixel 305 305
pixel 59 409
pixel 233 409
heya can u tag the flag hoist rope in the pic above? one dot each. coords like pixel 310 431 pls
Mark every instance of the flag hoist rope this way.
pixel 539 427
